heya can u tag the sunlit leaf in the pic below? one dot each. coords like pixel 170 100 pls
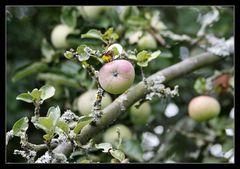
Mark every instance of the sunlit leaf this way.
pixel 47 91
pixel 26 97
pixel 64 126
pixel 36 94
pixel 44 123
pixel 144 57
pixel 48 136
pixel 54 113
pixel 20 127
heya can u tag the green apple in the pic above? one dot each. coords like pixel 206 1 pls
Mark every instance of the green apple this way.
pixel 117 76
pixel 141 114
pixel 86 100
pixel 147 42
pixel 203 108
pixel 59 35
pixel 111 135
pixel 92 13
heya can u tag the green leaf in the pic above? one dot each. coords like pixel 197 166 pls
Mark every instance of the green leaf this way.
pixel 138 22
pixel 82 52
pixel 54 113
pixel 144 57
pixel 109 34
pixel 81 123
pixel 26 97
pixel 36 94
pixel 118 154
pixel 70 68
pixel 105 146
pixel 200 85
pixel 93 33
pixel 68 55
pixel 20 127
pixel 64 126
pixel 44 123
pixel 47 91
pixel 154 55
pixel 127 12
pixel 133 149
pixel 47 51
pixel 69 16
pixel 59 79
pixel 29 70
pixel 48 136
pixel 85 161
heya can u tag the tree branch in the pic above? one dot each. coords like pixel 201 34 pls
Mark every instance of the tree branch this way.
pixel 111 112
pixel 135 93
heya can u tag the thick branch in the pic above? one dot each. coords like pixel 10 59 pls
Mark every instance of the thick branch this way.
pixel 111 112
pixel 135 93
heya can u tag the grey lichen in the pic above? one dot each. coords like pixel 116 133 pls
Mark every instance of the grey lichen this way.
pixel 46 158
pixel 28 154
pixel 220 47
pixel 9 135
pixel 157 88
pixel 96 110
pixel 207 20
pixel 69 117
pixel 122 99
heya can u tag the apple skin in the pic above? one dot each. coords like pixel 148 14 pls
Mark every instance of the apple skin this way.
pixel 147 42
pixel 141 114
pixel 117 76
pixel 59 35
pixel 203 108
pixel 86 100
pixel 111 135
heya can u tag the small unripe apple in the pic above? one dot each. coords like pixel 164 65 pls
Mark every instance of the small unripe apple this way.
pixel 92 13
pixel 147 42
pixel 141 114
pixel 86 100
pixel 117 76
pixel 202 108
pixel 59 35
pixel 111 135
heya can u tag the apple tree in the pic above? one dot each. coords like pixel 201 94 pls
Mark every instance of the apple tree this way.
pixel 120 84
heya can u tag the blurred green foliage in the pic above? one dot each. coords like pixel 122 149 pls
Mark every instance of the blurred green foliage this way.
pixel 32 61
